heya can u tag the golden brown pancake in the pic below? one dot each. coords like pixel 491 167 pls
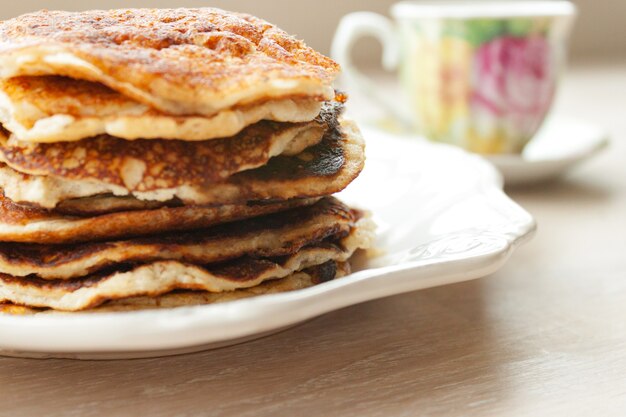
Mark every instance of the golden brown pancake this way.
pixel 179 61
pixel 20 223
pixel 60 109
pixel 320 170
pixel 161 277
pixel 296 281
pixel 148 165
pixel 277 234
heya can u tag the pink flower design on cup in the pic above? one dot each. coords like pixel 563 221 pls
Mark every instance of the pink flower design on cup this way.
pixel 513 84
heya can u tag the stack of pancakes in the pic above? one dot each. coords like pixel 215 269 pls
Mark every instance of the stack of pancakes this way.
pixel 158 158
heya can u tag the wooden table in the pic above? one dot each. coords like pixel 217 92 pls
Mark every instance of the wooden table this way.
pixel 546 335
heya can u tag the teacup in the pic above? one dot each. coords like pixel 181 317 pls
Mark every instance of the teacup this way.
pixel 481 75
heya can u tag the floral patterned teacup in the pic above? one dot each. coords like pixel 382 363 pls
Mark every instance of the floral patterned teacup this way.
pixel 481 75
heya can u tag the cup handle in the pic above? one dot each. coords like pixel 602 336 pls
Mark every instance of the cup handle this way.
pixel 351 28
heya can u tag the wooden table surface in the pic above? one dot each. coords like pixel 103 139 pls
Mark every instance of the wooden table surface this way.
pixel 546 335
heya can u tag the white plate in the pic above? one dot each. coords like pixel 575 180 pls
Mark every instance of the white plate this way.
pixel 558 146
pixel 443 219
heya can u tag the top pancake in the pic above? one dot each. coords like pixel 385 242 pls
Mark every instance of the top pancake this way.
pixel 179 61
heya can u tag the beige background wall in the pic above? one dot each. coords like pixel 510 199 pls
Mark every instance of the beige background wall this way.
pixel 600 32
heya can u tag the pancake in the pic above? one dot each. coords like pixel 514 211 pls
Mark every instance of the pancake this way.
pixel 179 61
pixel 59 109
pixel 277 234
pixel 20 223
pixel 105 204
pixel 320 170
pixel 148 165
pixel 162 277
pixel 296 281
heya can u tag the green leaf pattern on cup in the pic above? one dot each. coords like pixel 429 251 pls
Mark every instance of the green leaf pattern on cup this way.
pixel 475 31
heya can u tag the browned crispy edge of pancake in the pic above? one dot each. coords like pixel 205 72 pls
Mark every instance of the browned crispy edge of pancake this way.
pixel 323 169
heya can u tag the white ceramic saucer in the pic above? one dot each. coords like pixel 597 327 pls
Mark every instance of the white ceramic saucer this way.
pixel 557 147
